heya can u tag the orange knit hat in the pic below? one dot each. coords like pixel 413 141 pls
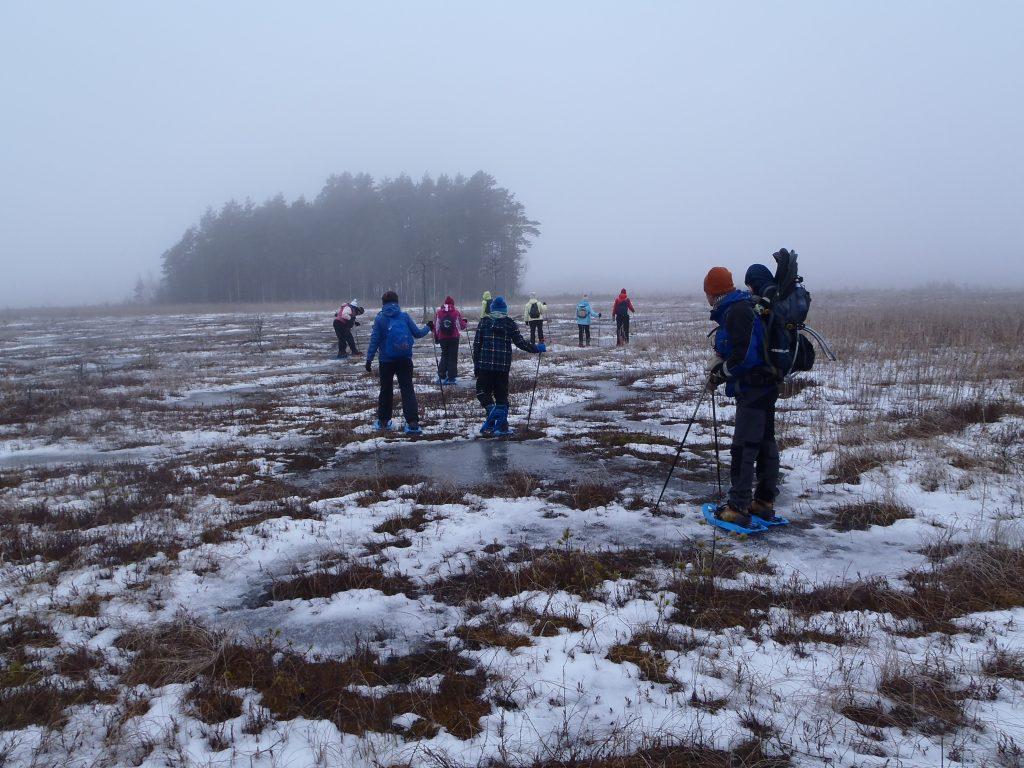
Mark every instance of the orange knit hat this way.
pixel 718 281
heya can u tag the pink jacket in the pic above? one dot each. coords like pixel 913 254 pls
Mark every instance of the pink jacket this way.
pixel 448 315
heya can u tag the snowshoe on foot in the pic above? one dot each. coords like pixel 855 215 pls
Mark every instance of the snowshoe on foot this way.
pixel 488 425
pixel 383 427
pixel 413 429
pixel 764 512
pixel 501 427
pixel 712 514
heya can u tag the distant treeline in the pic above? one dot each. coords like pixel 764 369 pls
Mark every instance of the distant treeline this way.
pixel 358 238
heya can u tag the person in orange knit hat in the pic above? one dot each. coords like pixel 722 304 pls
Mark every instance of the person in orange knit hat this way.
pixel 739 363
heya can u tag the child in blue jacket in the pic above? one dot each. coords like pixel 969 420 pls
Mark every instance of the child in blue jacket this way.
pixel 393 335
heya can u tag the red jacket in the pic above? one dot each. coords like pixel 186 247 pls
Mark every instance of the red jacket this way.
pixel 622 302
pixel 447 311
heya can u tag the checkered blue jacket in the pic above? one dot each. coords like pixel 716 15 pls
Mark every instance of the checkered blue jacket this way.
pixel 492 345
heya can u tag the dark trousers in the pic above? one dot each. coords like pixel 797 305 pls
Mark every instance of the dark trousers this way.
pixel 536 331
pixel 754 452
pixel 345 337
pixel 492 388
pixel 448 365
pixel 621 330
pixel 584 331
pixel 385 401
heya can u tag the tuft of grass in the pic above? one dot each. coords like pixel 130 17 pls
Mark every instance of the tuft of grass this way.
pixel 209 701
pixel 860 515
pixel 848 465
pixel 329 579
pixel 1004 663
pixel 956 417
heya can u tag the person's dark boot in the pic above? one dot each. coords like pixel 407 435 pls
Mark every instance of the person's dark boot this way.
pixel 727 514
pixel 763 509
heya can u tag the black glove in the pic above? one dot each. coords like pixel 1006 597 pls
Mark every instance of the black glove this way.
pixel 716 377
pixel 369 369
pixel 356 323
pixel 430 324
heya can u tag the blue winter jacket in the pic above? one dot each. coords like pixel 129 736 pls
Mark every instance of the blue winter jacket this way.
pixel 388 312
pixel 585 305
pixel 739 340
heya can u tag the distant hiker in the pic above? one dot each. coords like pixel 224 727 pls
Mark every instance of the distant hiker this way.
pixel 448 326
pixel 620 310
pixel 492 359
pixel 739 363
pixel 394 334
pixel 584 315
pixel 533 314
pixel 344 322
pixel 485 305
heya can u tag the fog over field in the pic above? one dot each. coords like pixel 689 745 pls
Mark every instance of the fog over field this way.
pixel 649 140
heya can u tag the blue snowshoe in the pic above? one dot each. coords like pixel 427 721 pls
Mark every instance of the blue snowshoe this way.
pixel 501 427
pixel 383 427
pixel 756 526
pixel 413 429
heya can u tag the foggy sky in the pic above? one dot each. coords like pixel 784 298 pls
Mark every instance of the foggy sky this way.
pixel 882 140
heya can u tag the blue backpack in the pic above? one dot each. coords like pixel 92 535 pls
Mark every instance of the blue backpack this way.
pixel 398 340
pixel 783 310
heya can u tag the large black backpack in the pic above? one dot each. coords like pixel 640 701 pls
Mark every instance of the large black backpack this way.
pixel 783 308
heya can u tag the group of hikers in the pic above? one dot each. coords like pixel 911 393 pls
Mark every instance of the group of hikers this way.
pixel 751 356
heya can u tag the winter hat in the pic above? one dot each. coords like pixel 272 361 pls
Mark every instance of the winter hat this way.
pixel 498 305
pixel 449 303
pixel 718 281
pixel 622 292
pixel 354 302
pixel 757 277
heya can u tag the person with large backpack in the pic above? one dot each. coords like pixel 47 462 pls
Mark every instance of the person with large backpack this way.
pixel 620 311
pixel 492 359
pixel 584 315
pixel 740 362
pixel 393 335
pixel 533 314
pixel 448 326
pixel 344 322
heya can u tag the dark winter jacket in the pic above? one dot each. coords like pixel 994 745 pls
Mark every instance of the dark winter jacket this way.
pixel 622 305
pixel 447 311
pixel 739 341
pixel 390 311
pixel 492 345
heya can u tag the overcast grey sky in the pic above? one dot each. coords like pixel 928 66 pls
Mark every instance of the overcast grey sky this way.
pixel 883 140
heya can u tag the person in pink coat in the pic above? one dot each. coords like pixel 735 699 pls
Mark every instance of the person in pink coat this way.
pixel 448 327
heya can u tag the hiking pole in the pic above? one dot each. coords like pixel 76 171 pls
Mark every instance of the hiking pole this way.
pixel 437 370
pixel 533 394
pixel 718 463
pixel 679 451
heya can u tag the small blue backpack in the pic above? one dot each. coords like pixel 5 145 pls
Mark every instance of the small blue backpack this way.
pixel 398 340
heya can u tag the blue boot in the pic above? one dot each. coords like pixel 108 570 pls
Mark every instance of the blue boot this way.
pixel 413 429
pixel 488 427
pixel 501 428
pixel 383 427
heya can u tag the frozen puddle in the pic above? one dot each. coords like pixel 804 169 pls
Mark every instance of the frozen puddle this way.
pixel 206 398
pixel 44 457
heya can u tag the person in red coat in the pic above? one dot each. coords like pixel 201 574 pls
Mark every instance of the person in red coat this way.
pixel 620 310
pixel 448 327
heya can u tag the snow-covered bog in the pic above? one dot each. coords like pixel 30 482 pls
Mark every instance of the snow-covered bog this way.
pixel 210 558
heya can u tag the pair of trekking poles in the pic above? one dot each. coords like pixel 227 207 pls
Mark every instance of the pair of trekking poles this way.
pixel 682 443
pixel 444 404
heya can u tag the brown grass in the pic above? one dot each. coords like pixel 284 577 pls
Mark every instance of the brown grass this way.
pixel 293 686
pixel 861 515
pixel 848 465
pixel 328 579
pixel 1004 663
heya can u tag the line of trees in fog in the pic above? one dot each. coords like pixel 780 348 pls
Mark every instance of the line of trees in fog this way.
pixel 358 238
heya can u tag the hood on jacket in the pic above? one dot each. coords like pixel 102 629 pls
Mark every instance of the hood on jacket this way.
pixel 391 309
pixel 498 306
pixel 622 294
pixel 449 304
pixel 487 295
pixel 758 277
